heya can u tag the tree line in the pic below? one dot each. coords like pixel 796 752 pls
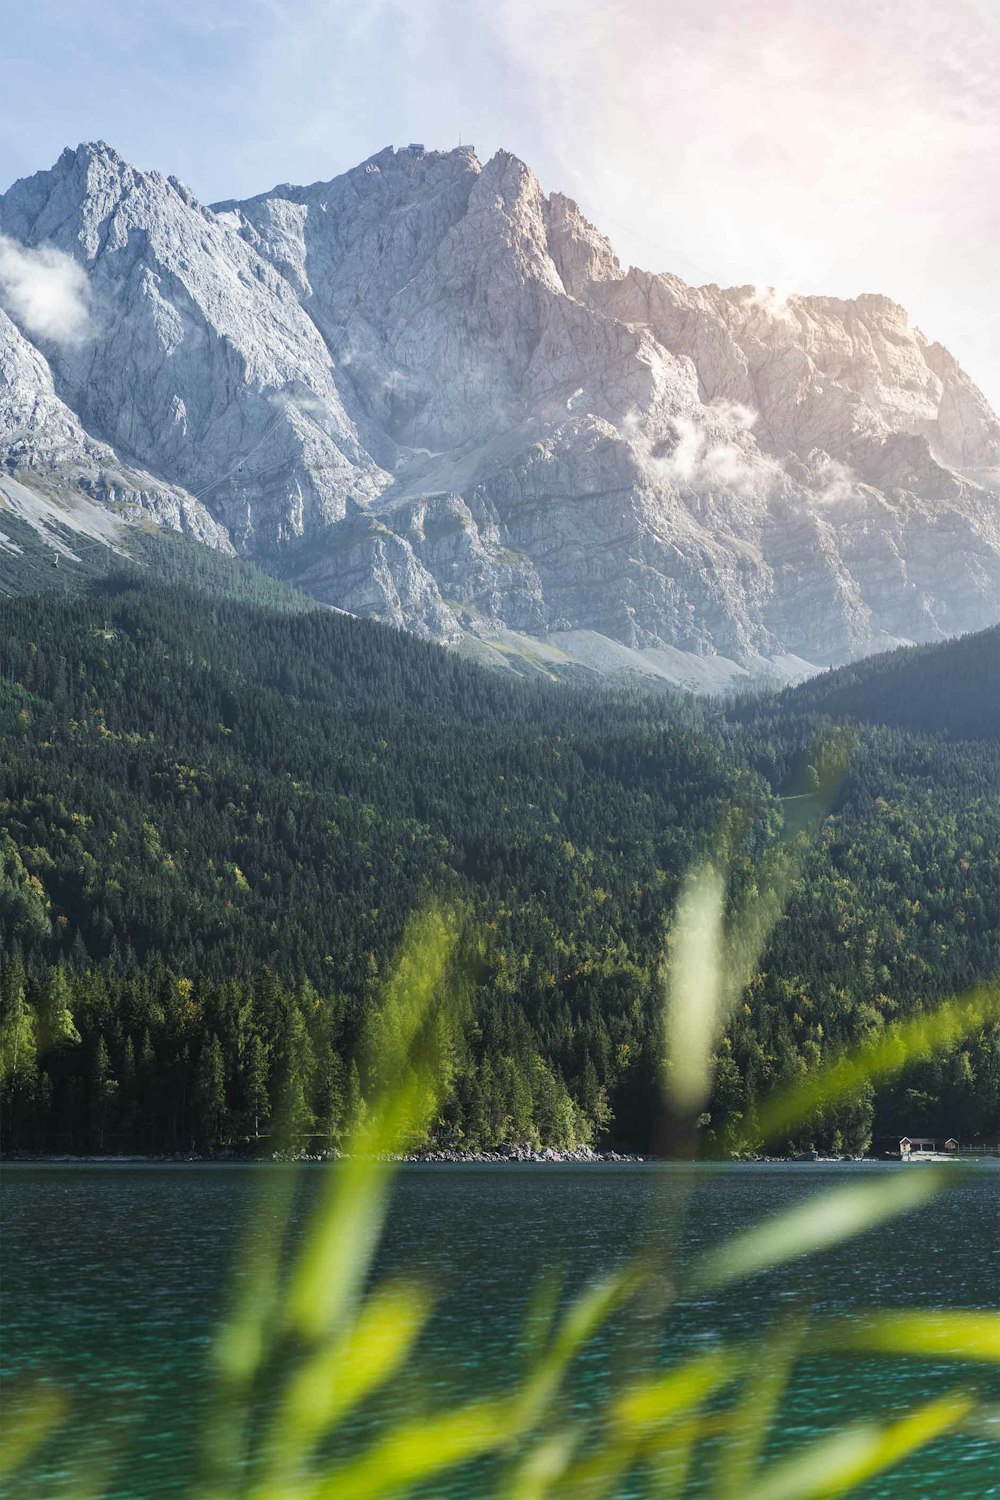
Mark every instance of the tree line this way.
pixel 216 819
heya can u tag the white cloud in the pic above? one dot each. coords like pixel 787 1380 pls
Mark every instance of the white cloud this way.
pixel 833 481
pixel 45 291
pixel 707 449
pixel 772 301
pixel 302 403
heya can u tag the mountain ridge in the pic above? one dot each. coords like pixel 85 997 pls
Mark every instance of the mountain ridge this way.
pixel 426 391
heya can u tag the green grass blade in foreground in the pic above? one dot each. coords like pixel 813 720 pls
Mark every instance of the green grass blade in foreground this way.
pixel 581 1322
pixel 755 917
pixel 899 1045
pixel 957 1334
pixel 413 1452
pixel 857 1453
pixel 328 1384
pixel 755 1411
pixel 711 960
pixel 826 1219
pixel 28 1421
pixel 410 1067
pixel 649 1419
pixel 694 991
pixel 663 1399
pixel 243 1342
pixel 541 1469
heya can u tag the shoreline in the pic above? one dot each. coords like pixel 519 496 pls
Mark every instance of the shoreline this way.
pixel 499 1157
pixel 503 1156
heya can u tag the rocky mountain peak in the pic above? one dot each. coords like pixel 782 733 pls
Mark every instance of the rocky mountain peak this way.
pixel 428 390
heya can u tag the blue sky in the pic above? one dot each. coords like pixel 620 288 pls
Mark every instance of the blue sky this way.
pixel 814 145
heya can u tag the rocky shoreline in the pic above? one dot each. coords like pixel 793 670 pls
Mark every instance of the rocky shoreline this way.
pixel 432 1156
pixel 522 1154
pixel 502 1155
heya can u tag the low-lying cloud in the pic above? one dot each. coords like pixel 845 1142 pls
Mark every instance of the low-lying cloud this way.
pixel 45 291
pixel 707 450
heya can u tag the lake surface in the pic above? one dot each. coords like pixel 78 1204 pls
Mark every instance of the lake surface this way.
pixel 114 1275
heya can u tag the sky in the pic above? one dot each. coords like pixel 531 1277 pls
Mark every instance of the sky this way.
pixel 820 146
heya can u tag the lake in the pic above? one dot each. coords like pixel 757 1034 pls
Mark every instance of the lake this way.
pixel 113 1276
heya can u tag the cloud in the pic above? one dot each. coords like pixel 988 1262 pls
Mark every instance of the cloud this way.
pixel 707 449
pixel 833 481
pixel 45 291
pixel 303 403
pixel 772 301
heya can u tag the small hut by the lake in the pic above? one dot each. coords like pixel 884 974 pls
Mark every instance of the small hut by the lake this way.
pixel 912 1144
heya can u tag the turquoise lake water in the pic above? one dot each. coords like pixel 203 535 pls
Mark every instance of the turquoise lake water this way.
pixel 113 1277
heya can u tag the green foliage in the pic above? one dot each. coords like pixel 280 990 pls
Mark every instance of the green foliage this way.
pixel 216 818
pixel 951 689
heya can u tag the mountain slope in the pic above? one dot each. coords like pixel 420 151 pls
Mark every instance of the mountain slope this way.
pixel 428 392
pixel 952 688
pixel 217 820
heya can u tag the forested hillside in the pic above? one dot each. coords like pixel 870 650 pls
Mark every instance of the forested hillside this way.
pixel 952 688
pixel 217 818
pixel 30 563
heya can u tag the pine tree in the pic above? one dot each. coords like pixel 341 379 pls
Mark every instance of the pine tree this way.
pixel 210 1094
pixel 255 1085
pixel 56 1026
pixel 295 1064
pixel 102 1091
pixel 19 1079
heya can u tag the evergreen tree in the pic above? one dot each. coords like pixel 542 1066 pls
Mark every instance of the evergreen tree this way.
pixel 210 1094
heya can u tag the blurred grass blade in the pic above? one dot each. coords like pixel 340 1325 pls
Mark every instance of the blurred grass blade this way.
pixel 670 1454
pixel 760 909
pixel 710 962
pixel 827 1218
pixel 408 1062
pixel 846 1460
pixel 339 1247
pixel 27 1423
pixel 753 1415
pixel 910 1041
pixel 416 1451
pixel 241 1342
pixel 244 1341
pixel 655 1402
pixel 653 1421
pixel 330 1383
pixel 540 1469
pixel 752 923
pixel 579 1325
pixel 956 1334
pixel 694 991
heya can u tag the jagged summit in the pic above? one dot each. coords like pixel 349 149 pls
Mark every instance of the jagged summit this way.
pixel 429 391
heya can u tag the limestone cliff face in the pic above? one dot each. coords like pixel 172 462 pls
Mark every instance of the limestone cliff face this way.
pixel 43 442
pixel 431 393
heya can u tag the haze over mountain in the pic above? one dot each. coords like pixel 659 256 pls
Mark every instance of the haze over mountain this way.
pixel 428 392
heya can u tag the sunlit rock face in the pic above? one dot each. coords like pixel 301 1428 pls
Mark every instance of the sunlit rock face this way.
pixel 430 393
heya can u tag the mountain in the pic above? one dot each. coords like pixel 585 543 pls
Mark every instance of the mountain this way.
pixel 426 391
pixel 951 689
